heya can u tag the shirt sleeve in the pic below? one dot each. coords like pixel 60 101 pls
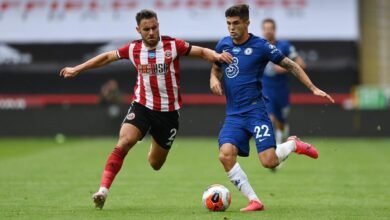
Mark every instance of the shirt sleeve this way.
pixel 123 52
pixel 272 53
pixel 183 48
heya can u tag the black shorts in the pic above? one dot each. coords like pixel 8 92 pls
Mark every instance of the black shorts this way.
pixel 163 126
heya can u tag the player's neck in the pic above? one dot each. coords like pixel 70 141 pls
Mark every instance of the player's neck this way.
pixel 244 39
pixel 149 46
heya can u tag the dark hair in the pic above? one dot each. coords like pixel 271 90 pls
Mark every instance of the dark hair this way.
pixel 269 20
pixel 241 11
pixel 145 14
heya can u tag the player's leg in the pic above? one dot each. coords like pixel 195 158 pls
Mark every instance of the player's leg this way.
pixel 157 155
pixel 273 111
pixel 133 129
pixel 164 127
pixel 228 153
pixel 270 154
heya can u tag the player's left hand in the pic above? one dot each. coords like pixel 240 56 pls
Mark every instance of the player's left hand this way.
pixel 319 92
pixel 225 57
pixel 69 72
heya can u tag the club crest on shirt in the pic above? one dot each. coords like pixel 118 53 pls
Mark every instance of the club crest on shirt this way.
pixel 168 54
pixel 248 51
pixel 236 50
pixel 130 116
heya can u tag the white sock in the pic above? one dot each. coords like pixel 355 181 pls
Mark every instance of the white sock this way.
pixel 279 136
pixel 283 150
pixel 103 190
pixel 238 177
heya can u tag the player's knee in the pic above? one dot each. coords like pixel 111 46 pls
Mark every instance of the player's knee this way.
pixel 270 163
pixel 225 158
pixel 126 141
pixel 156 165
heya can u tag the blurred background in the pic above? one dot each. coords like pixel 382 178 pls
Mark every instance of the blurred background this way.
pixel 345 45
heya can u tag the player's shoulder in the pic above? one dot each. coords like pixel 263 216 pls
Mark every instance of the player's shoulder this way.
pixel 225 40
pixel 138 41
pixel 168 38
pixel 283 43
pixel 257 40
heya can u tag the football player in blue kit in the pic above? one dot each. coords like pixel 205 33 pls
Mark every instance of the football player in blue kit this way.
pixel 246 114
pixel 275 82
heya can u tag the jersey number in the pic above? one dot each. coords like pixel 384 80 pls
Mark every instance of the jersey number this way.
pixel 173 134
pixel 262 131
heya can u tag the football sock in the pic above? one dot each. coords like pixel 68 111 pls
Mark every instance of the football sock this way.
pixel 113 165
pixel 283 150
pixel 238 177
pixel 279 136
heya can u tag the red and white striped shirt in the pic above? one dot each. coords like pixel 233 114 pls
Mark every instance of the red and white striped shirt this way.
pixel 158 81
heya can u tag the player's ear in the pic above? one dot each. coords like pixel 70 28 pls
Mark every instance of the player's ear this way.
pixel 138 30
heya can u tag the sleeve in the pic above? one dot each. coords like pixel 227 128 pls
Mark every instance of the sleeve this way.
pixel 272 53
pixel 123 52
pixel 183 48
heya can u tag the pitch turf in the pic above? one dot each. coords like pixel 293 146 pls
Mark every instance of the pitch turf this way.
pixel 41 179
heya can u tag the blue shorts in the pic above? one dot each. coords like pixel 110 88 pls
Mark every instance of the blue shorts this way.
pixel 278 103
pixel 238 130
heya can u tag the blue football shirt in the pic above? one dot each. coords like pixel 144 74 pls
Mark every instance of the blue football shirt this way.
pixel 271 78
pixel 242 78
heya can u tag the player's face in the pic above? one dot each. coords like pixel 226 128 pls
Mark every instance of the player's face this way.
pixel 269 31
pixel 150 32
pixel 237 27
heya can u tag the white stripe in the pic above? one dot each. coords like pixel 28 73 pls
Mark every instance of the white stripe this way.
pixel 131 53
pixel 146 78
pixel 131 56
pixel 172 68
pixel 162 87
pixel 137 91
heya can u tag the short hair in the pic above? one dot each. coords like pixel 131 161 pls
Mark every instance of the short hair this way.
pixel 145 14
pixel 241 10
pixel 269 20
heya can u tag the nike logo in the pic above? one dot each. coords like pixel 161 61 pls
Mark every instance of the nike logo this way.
pixel 263 139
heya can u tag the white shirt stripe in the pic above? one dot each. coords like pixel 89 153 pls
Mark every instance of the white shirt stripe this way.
pixel 174 82
pixel 148 90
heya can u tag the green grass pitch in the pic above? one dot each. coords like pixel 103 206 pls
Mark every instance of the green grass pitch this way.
pixel 41 179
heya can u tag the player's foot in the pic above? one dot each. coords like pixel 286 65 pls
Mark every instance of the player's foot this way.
pixel 99 198
pixel 253 206
pixel 304 148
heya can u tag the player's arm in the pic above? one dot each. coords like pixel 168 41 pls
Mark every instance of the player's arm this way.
pixel 210 55
pixel 215 80
pixel 298 60
pixel 98 61
pixel 298 72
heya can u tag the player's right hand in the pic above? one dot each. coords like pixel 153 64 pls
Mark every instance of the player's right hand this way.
pixel 215 86
pixel 69 72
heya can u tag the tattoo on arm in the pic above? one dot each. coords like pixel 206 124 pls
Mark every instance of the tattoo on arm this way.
pixel 297 71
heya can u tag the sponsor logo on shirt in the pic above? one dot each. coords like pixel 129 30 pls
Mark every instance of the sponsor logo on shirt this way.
pixel 236 50
pixel 232 70
pixel 153 69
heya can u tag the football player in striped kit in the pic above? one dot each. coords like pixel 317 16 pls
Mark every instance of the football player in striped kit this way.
pixel 156 98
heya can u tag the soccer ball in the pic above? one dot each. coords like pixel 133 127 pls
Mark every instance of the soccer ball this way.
pixel 216 198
